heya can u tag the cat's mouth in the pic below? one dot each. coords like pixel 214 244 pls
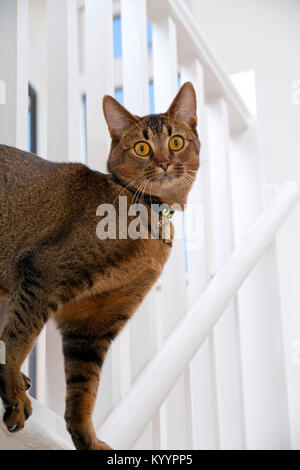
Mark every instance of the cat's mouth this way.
pixel 165 177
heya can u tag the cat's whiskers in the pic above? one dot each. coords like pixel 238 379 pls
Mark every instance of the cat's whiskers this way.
pixel 191 180
pixel 144 189
pixel 188 178
pixel 132 180
pixel 136 196
pixel 136 192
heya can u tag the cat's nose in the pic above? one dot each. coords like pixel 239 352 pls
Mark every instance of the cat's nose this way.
pixel 164 165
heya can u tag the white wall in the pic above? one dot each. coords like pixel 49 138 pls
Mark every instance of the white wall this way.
pixel 264 35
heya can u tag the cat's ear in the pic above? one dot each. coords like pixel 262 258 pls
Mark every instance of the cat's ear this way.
pixel 117 117
pixel 184 105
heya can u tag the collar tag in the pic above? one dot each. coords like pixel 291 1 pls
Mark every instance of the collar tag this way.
pixel 166 211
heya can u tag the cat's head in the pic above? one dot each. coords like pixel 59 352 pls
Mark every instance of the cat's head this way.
pixel 156 154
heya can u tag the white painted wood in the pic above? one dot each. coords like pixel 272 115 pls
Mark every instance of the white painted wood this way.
pixel 165 75
pixel 262 357
pixel 63 102
pixel 205 425
pixel 135 88
pixel 199 198
pixel 38 68
pixel 159 422
pixel 192 43
pixel 135 56
pixel 226 333
pixel 136 99
pixel 121 429
pixel 145 442
pixel 125 363
pixel 14 72
pixel 43 431
pixel 41 350
pixel 54 393
pixel 98 76
pixel 201 370
pixel 165 68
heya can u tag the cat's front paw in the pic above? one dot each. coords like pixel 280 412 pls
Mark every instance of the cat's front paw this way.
pixel 84 437
pixel 16 415
pixel 16 403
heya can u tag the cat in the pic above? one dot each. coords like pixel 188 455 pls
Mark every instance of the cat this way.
pixel 52 263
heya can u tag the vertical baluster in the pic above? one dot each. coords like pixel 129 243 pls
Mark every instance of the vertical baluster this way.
pixel 135 56
pixel 63 100
pixel 200 375
pixel 41 376
pixel 136 98
pixel 97 66
pixel 159 423
pixel 14 73
pixel 165 72
pixel 226 332
pixel 63 144
pixel 38 69
pixel 38 79
pixel 99 77
pixel 258 300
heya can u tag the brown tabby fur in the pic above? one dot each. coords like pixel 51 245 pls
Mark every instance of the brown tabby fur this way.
pixel 53 264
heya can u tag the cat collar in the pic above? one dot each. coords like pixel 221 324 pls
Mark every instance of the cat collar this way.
pixel 152 201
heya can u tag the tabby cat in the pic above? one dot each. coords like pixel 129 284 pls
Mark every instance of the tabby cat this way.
pixel 52 263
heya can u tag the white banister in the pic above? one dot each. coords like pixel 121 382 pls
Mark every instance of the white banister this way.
pixel 43 431
pixel 130 417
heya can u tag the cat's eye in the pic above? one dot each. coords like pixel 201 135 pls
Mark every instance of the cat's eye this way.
pixel 176 143
pixel 142 149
